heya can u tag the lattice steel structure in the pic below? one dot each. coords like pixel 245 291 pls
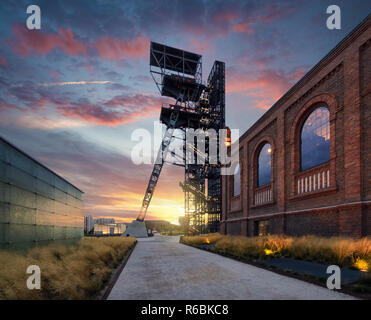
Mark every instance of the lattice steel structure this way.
pixel 178 75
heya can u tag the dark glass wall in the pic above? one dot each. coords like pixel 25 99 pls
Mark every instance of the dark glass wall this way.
pixel 36 205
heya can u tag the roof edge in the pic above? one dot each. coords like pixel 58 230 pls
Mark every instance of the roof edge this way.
pixel 38 162
pixel 311 73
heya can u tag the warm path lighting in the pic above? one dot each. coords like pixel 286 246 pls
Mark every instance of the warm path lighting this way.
pixel 361 265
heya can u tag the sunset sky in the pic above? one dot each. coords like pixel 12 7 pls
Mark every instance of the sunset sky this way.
pixel 72 93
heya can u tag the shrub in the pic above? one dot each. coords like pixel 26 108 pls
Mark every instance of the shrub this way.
pixel 345 252
pixel 67 272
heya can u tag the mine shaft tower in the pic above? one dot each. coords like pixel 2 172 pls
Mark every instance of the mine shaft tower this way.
pixel 178 75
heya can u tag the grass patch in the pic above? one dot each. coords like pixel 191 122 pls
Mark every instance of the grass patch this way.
pixel 344 252
pixel 67 272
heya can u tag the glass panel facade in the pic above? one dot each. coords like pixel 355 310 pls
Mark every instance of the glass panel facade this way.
pixel 35 204
pixel 315 139
pixel 265 165
pixel 237 181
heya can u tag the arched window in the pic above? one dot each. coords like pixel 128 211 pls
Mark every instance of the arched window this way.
pixel 265 165
pixel 315 139
pixel 236 181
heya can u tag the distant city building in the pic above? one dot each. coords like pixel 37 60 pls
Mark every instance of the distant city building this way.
pixel 104 221
pixel 121 227
pixel 109 229
pixel 88 223
pixel 36 205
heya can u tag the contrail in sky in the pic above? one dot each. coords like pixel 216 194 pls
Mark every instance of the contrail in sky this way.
pixel 73 83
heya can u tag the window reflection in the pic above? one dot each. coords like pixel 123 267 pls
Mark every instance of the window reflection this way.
pixel 315 139
pixel 264 166
pixel 236 181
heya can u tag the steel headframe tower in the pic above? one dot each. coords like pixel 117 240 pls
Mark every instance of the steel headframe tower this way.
pixel 178 75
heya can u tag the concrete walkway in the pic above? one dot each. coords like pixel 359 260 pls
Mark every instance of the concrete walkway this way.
pixel 160 268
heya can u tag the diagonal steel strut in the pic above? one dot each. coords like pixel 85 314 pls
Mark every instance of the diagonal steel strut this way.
pixel 161 156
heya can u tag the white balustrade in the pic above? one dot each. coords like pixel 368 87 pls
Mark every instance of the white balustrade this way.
pixel 314 181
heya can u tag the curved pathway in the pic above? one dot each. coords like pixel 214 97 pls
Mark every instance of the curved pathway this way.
pixel 160 268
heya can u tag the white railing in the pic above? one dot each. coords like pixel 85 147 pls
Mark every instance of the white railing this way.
pixel 314 181
pixel 263 195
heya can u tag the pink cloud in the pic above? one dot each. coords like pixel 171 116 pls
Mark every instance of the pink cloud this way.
pixel 266 88
pixel 116 111
pixel 4 106
pixel 117 49
pixel 28 42
pixel 202 46
pixel 93 114
pixel 243 27
pixel 225 16
pixel 54 74
pixel 41 103
pixel 3 61
pixel 88 67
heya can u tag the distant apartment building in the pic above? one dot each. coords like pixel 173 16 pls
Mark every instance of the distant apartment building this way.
pixel 104 221
pixel 109 229
pixel 36 205
pixel 88 223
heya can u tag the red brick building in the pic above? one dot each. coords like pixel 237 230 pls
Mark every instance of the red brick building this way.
pixel 305 165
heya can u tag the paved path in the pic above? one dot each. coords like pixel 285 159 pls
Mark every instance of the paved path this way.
pixel 162 268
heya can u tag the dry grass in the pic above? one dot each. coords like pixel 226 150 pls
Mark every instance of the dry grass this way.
pixel 67 272
pixel 345 252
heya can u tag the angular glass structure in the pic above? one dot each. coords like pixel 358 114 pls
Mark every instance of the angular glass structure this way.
pixel 36 204
pixel 315 139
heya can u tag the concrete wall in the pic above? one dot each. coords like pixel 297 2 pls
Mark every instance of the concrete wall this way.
pixel 36 205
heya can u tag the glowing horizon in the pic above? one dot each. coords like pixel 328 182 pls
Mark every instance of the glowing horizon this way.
pixel 73 92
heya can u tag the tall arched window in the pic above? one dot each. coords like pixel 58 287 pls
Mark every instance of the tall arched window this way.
pixel 265 165
pixel 315 139
pixel 237 181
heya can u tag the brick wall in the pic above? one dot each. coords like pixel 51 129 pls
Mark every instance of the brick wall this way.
pixel 342 83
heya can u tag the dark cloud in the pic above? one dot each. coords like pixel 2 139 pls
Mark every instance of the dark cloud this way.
pixel 104 174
